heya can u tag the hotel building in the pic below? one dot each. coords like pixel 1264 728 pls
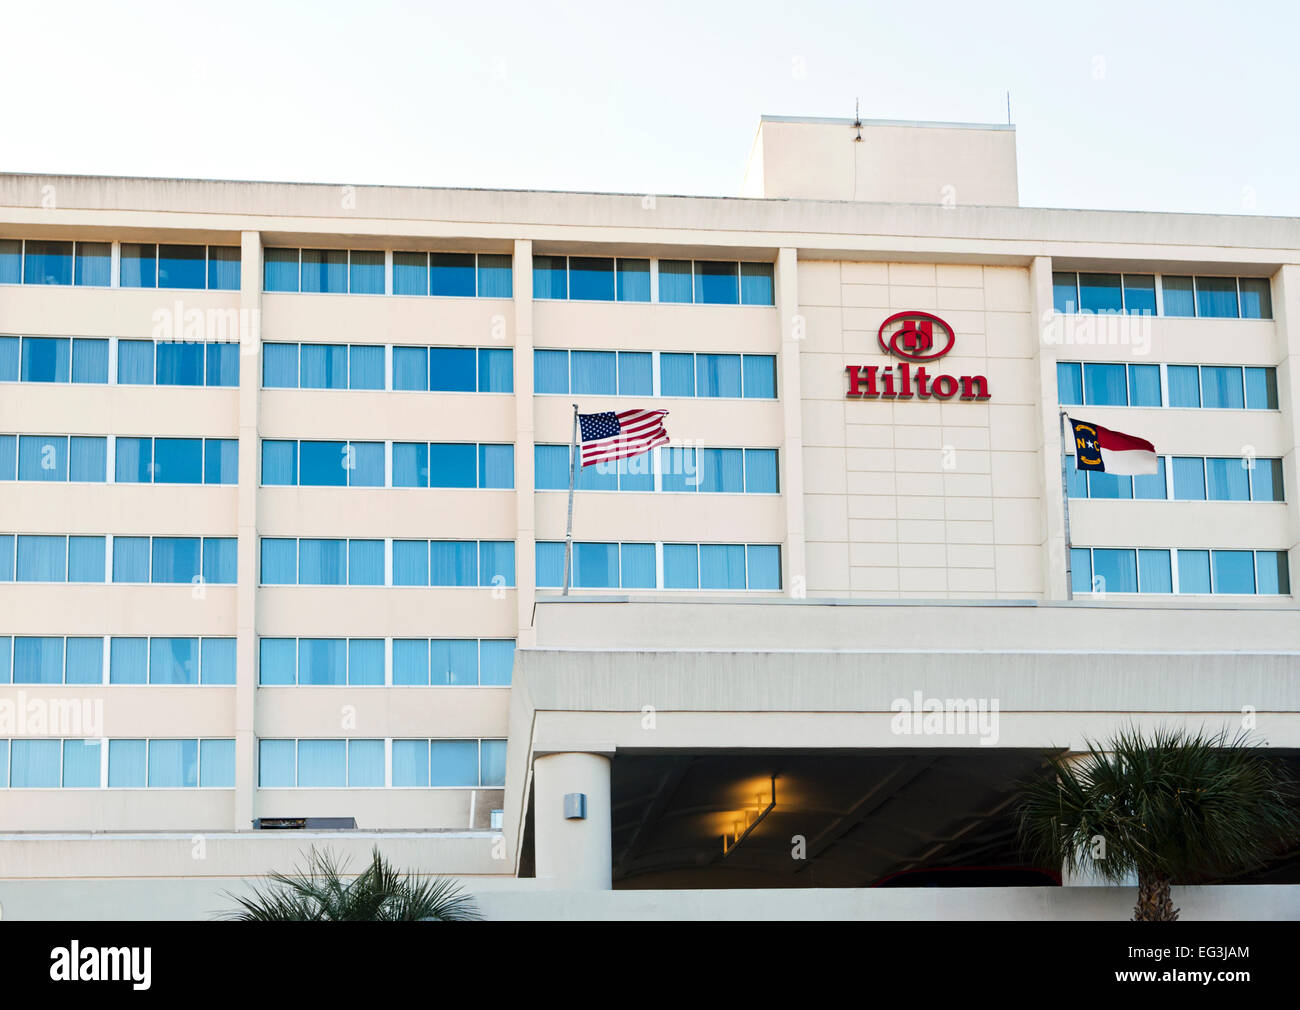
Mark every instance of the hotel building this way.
pixel 283 475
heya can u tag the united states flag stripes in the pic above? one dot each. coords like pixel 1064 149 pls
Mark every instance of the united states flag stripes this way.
pixel 608 436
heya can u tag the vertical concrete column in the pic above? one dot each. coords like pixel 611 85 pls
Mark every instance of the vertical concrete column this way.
pixel 526 514
pixel 575 854
pixel 250 398
pixel 790 390
pixel 1053 546
pixel 1286 318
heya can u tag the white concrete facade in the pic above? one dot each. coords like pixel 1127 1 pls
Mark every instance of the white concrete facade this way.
pixel 881 501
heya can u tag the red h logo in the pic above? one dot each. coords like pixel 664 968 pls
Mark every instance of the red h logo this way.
pixel 917 336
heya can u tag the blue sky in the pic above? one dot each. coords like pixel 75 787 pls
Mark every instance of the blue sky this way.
pixel 1189 107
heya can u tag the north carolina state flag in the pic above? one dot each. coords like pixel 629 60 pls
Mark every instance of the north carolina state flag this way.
pixel 1098 448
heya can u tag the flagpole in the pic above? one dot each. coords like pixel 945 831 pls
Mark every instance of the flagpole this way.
pixel 568 523
pixel 1065 501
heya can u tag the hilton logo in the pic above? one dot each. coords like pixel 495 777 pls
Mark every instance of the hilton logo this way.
pixel 912 335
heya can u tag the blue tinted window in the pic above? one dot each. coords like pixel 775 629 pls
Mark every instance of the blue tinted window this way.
pixel 34 764
pixel 38 660
pixel 7 558
pixel 365 367
pixel 275 764
pixel 1216 297
pixel 94 263
pixel 1193 571
pixel 1256 299
pixel 8 457
pixel 636 566
pixel 1105 385
pixel 496 370
pixel 410 763
pixel 410 669
pixel 591 279
pixel 550 279
pixel 324 366
pixel 716 283
pixel 322 662
pixel 1273 575
pixel 717 375
pixel 1144 385
pixel 89 360
pixel 322 763
pixel 452 274
pixel 366 272
pixel 410 562
pixel 135 362
pixel 1151 486
pixel 1081 569
pixel 173 661
pixel 366 662
pixel 1153 572
pixel 756 284
pixel 594 372
pixel 182 266
pixel 180 364
pixel 453 563
pixel 9 358
pixel 452 464
pixel 322 562
pixel 173 763
pixel 223 268
pixel 217 764
pixel 633 280
pixel 176 559
pixel 551 371
pixel 761 471
pixel 411 368
pixel 365 763
pixel 46 359
pixel 277 663
pixel 595 566
pixel 365 464
pixel 1261 388
pixel 365 562
pixel 1140 294
pixel 1184 386
pixel 178 460
pixel 42 559
pixel 497 657
pixel 492 766
pixel 220 556
pixel 497 563
pixel 451 369
pixel 637 473
pixel 85 663
pixel 1109 485
pixel 1114 571
pixel 1069 382
pixel 280 270
pixel 453 661
pixel 551 467
pixel 764 566
pixel 88 459
pixel 635 373
pixel 280 366
pixel 722 470
pixel 139 265
pixel 43 457
pixel 1065 293
pixel 681 566
pixel 1266 480
pixel 760 377
pixel 325 270
pixel 86 559
pixel 279 561
pixel 453 763
pixel 130 559
pixel 678 469
pixel 550 564
pixel 496 466
pixel 279 462
pixel 1189 478
pixel 1221 387
pixel 494 276
pixel 1100 293
pixel 322 464
pixel 220 461
pixel 222 364
pixel 411 273
pixel 218 656
pixel 1227 479
pixel 1233 571
pixel 80 764
pixel 128 661
pixel 677 374
pixel 410 464
pixel 11 272
pixel 48 263
pixel 1179 299
pixel 126 764
pixel 722 566
pixel 675 281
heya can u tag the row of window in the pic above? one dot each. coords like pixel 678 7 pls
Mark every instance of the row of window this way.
pixel 366 366
pixel 131 460
pixel 1194 478
pixel 655 373
pixel 137 362
pixel 362 464
pixel 668 468
pixel 1166 295
pixel 141 265
pixel 123 764
pixel 57 558
pixel 364 272
pixel 317 562
pixel 352 764
pixel 661 566
pixel 376 662
pixel 606 279
pixel 1103 384
pixel 1203 572
pixel 27 659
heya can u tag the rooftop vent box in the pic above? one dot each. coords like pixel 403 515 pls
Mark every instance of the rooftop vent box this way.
pixel 304 824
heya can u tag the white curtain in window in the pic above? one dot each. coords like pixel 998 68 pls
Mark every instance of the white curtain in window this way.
pixel 365 763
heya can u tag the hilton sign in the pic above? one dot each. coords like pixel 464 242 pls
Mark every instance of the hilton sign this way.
pixel 911 336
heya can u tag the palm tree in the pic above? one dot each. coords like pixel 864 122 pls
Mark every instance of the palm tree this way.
pixel 318 893
pixel 1176 807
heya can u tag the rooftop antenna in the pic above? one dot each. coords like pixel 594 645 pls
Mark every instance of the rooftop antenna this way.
pixel 857 120
pixel 1008 108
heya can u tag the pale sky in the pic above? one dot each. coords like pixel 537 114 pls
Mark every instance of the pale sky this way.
pixel 1126 105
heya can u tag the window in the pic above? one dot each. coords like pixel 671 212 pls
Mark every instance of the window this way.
pixel 1200 572
pixel 684 566
pixel 362 271
pixel 322 562
pixel 363 763
pixel 453 369
pixel 734 471
pixel 174 560
pixel 171 764
pixel 142 362
pixel 322 464
pixel 633 373
pixel 1222 386
pixel 440 464
pixel 1183 296
pixel 711 282
pixel 149 265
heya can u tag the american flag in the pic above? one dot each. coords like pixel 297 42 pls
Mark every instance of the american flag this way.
pixel 609 436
